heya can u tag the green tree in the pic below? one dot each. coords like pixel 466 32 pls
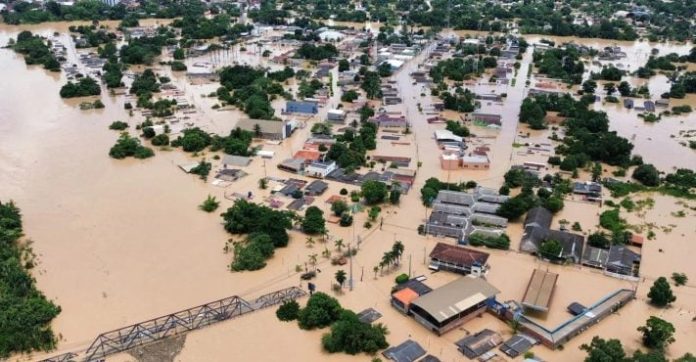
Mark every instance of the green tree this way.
pixel 374 192
pixel 647 174
pixel 340 277
pixel 601 350
pixel 657 333
pixel 343 65
pixel 589 86
pixel 351 336
pixel 179 54
pixel 624 89
pixel 679 279
pixel 288 311
pixel 210 204
pixel 339 207
pixel 660 293
pixel 394 195
pixel 321 311
pixel 313 222
pixel 550 249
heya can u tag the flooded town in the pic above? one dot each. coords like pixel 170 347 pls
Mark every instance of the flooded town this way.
pixel 347 181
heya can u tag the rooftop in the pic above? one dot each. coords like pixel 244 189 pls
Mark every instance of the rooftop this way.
pixel 455 297
pixel 458 255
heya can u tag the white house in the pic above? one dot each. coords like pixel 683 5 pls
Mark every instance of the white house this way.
pixel 320 169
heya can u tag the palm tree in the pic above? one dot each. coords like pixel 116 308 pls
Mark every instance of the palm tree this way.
pixel 313 261
pixel 339 244
pixel 340 277
pixel 375 269
pixel 398 250
pixel 514 325
pixel 310 242
pixel 387 258
pixel 326 253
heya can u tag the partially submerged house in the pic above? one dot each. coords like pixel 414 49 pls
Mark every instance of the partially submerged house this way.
pixel 623 261
pixel 303 107
pixel 316 188
pixel 268 129
pixel 460 214
pixel 458 259
pixel 453 304
pixel 320 169
pixel 407 292
pixel 516 346
pixel 537 230
pixel 479 343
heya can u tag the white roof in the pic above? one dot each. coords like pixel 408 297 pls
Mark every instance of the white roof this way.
pixel 443 134
pixel 264 153
pixel 330 34
pixel 471 41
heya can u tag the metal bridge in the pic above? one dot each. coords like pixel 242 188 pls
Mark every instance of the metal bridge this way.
pixel 123 339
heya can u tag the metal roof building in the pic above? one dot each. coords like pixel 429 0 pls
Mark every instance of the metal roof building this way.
pixel 453 304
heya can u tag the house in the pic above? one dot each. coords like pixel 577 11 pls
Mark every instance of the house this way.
pixel 453 304
pixel 479 343
pixel 592 190
pixel 232 160
pixel 389 121
pixel 336 115
pixel 320 169
pixel 458 259
pixel 649 106
pixel 405 293
pixel 268 129
pixel 476 162
pixel 539 291
pixel 408 351
pixel 537 231
pixel 305 107
pixel 516 346
pixel 623 260
pixel 443 135
pixel 459 214
pixel 595 257
pixel 294 165
pixel 308 156
pixel 487 118
pixel 316 188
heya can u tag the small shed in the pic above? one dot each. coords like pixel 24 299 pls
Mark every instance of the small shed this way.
pixel 576 308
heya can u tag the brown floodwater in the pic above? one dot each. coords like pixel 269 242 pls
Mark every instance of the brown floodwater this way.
pixel 123 241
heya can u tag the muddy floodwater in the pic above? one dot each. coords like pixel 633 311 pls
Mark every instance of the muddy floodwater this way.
pixel 121 241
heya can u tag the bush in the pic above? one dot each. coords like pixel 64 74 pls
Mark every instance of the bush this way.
pixel 118 126
pixel 210 204
pixel 253 252
pixel 343 192
pixel 401 278
pixel 500 242
pixel 288 311
pixel 178 66
pixel 148 132
pixel 346 220
pixel 679 279
pixel 374 192
pixel 339 207
pixel 160 140
pixel 321 311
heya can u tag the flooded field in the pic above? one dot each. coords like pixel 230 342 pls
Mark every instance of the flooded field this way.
pixel 123 241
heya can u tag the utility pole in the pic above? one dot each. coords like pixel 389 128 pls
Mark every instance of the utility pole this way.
pixel 350 278
pixel 409 265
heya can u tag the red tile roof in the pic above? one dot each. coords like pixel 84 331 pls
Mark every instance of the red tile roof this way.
pixel 458 255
